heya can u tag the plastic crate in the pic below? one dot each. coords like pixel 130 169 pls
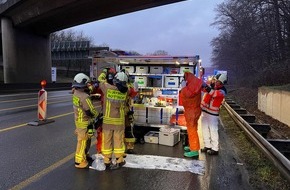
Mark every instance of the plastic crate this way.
pixel 141 80
pixel 130 69
pixel 169 138
pixel 142 69
pixel 186 69
pixel 156 69
pixel 171 82
pixel 152 137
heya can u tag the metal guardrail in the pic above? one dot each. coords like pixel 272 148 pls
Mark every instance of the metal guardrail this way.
pixel 277 158
pixel 35 87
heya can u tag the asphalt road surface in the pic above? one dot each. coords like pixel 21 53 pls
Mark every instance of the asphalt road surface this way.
pixel 42 157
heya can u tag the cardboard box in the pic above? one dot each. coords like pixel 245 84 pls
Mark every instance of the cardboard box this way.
pixel 152 137
pixel 169 138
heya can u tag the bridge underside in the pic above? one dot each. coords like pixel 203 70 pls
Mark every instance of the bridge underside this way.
pixel 27 24
pixel 45 16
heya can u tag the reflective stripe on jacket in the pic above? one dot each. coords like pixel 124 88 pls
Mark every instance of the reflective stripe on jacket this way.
pixel 81 104
pixel 114 105
pixel 212 101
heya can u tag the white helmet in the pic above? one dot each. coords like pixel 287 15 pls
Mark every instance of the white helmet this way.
pixel 120 81
pixel 121 76
pixel 80 80
pixel 221 77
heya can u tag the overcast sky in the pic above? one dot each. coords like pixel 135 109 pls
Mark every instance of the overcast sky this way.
pixel 180 29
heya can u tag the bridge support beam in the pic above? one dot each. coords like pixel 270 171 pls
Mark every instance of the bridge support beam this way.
pixel 26 56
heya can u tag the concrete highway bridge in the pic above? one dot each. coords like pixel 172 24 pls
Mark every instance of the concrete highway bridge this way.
pixel 26 26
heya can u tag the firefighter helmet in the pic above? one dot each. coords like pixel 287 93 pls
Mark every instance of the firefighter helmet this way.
pixel 121 76
pixel 80 80
pixel 222 78
pixel 120 81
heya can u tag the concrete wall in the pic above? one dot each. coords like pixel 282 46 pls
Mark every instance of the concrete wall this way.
pixel 275 103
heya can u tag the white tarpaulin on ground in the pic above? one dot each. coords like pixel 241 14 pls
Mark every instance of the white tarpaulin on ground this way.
pixel 155 162
pixel 165 163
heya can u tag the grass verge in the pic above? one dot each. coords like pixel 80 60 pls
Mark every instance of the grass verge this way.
pixel 262 173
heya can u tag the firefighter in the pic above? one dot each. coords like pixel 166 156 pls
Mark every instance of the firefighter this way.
pixel 211 102
pixel 190 95
pixel 129 118
pixel 115 94
pixel 84 113
pixel 97 98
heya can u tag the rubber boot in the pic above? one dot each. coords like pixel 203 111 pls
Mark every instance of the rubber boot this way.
pixel 186 149
pixel 82 165
pixel 191 154
pixel 120 162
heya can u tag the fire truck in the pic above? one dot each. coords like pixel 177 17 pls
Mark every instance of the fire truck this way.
pixel 158 79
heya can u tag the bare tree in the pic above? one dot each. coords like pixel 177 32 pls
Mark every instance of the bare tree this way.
pixel 64 36
pixel 254 40
pixel 159 52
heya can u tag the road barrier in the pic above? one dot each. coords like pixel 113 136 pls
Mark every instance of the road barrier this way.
pixel 42 107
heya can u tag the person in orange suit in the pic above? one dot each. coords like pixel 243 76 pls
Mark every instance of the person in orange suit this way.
pixel 190 95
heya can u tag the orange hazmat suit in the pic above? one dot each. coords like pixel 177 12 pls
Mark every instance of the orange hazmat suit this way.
pixel 191 99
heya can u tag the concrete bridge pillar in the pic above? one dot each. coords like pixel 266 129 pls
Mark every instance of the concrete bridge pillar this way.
pixel 26 56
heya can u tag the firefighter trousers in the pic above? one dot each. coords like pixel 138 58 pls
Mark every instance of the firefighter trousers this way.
pixel 113 144
pixel 83 145
pixel 129 133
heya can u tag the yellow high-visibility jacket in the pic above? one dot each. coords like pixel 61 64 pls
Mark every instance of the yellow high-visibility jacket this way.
pixel 113 106
pixel 81 104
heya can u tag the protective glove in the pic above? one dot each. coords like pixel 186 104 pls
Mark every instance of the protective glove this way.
pixel 90 130
pixel 183 84
pixel 207 88
pixel 130 113
pixel 98 121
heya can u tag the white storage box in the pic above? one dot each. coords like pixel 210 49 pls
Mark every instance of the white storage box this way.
pixel 170 137
pixel 156 69
pixel 152 137
pixel 184 69
pixel 157 82
pixel 130 69
pixel 171 82
pixel 171 70
pixel 141 80
pixel 142 69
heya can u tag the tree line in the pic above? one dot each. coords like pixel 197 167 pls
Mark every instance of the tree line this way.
pixel 69 67
pixel 254 41
pixel 71 35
